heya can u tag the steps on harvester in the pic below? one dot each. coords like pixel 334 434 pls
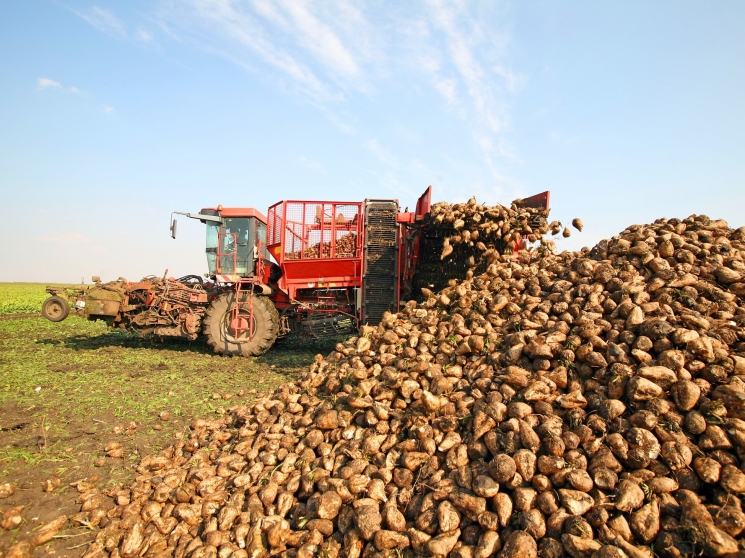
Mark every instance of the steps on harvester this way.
pixel 380 279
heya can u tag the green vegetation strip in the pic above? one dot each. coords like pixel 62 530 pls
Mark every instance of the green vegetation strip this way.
pixel 23 298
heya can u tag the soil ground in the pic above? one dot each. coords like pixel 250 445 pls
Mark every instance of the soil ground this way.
pixel 68 389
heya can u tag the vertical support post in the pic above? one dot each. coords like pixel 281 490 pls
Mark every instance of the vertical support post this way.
pixel 332 240
pixel 303 239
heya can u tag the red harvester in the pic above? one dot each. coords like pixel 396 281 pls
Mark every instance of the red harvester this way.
pixel 312 268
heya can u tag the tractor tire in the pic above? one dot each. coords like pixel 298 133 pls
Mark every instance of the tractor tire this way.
pixel 219 333
pixel 55 309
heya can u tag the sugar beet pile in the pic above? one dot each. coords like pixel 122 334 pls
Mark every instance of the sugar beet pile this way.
pixel 490 230
pixel 588 404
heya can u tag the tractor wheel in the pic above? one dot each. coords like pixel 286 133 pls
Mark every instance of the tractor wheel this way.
pixel 221 333
pixel 55 309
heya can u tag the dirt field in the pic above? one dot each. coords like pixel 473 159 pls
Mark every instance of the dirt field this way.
pixel 68 389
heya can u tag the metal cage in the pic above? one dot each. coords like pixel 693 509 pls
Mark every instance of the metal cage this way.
pixel 318 244
pixel 309 230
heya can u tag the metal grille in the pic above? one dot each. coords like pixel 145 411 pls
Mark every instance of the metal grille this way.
pixel 380 286
pixel 274 224
pixel 315 230
pixel 434 273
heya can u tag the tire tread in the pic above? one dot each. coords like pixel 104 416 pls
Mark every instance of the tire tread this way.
pixel 257 346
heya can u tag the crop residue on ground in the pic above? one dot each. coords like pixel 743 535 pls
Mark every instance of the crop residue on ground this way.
pixel 70 388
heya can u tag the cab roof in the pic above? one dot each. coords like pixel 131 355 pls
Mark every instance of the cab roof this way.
pixel 237 212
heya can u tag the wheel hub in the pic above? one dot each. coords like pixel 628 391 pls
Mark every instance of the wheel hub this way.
pixel 237 327
pixel 239 324
pixel 54 309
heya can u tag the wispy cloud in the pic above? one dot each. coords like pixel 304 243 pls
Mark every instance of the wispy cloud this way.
pixel 339 54
pixel 448 88
pixel 319 39
pixel 108 109
pixel 231 29
pixel 469 68
pixel 463 38
pixel 382 154
pixel 324 48
pixel 44 83
pixel 144 36
pixel 105 21
pixel 514 82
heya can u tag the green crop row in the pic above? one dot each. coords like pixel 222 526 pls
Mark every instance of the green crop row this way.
pixel 21 298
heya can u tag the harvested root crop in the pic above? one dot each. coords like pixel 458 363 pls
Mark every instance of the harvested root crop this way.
pixel 492 228
pixel 345 247
pixel 468 237
pixel 589 405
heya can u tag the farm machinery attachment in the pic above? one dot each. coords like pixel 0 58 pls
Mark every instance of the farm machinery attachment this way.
pixel 164 307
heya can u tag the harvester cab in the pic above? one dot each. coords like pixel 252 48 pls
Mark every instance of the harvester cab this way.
pixel 235 241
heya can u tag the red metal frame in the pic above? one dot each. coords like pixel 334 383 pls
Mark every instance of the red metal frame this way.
pixel 295 228
pixel 237 321
pixel 539 200
pixel 423 204
pixel 311 280
pixel 219 254
pixel 409 238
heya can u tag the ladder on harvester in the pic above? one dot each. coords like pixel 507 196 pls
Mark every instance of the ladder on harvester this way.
pixel 380 272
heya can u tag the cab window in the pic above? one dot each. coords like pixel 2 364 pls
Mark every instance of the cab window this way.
pixel 213 229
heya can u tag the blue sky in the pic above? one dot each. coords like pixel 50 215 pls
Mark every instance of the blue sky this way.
pixel 115 113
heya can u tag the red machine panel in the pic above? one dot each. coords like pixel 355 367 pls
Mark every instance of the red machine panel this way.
pixel 317 243
pixel 424 203
pixel 538 200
